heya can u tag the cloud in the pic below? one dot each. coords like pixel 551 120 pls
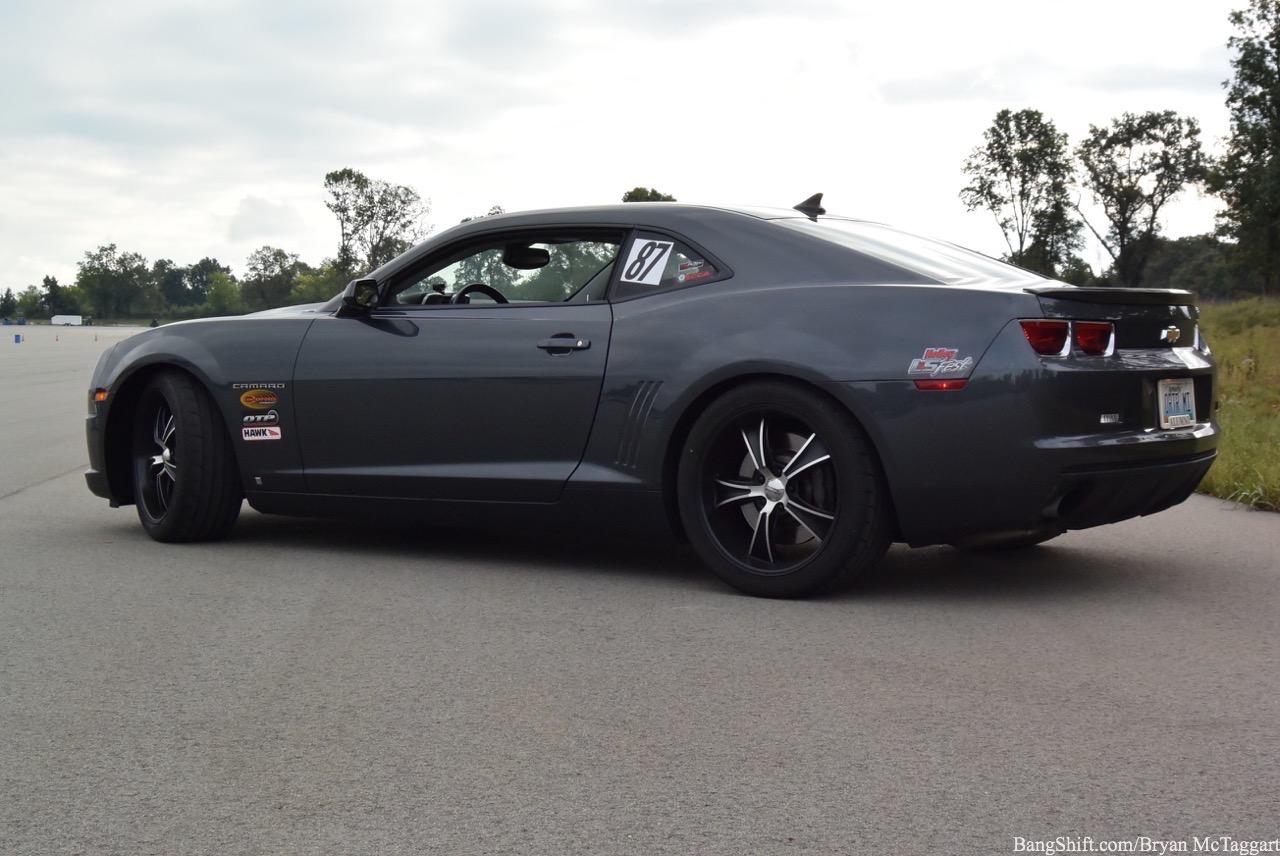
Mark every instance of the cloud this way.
pixel 185 128
pixel 1205 77
pixel 258 219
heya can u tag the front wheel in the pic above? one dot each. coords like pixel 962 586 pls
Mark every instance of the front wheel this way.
pixel 185 483
pixel 780 493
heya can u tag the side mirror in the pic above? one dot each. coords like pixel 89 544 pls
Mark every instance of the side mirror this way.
pixel 360 297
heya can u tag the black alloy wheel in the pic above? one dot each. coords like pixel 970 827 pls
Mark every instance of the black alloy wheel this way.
pixel 185 482
pixel 780 493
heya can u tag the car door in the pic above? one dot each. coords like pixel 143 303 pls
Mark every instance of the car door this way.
pixel 442 393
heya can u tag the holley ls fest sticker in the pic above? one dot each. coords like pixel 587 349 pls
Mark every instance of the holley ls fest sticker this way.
pixel 939 361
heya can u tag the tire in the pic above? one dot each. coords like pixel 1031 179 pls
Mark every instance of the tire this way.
pixel 185 482
pixel 780 492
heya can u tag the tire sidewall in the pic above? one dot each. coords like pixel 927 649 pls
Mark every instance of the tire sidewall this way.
pixel 856 540
pixel 201 449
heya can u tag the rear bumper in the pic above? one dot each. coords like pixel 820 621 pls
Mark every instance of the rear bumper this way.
pixel 1092 496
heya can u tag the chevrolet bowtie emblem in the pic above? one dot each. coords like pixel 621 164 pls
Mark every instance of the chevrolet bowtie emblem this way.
pixel 1169 335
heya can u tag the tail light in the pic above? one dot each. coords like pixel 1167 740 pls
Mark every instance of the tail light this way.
pixel 1053 338
pixel 1048 338
pixel 1095 338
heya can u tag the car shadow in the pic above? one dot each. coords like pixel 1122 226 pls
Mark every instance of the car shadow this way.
pixel 1044 571
pixel 564 550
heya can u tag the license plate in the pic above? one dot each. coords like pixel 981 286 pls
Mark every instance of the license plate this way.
pixel 1177 403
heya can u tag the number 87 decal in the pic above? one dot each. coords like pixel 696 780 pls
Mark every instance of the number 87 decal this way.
pixel 644 261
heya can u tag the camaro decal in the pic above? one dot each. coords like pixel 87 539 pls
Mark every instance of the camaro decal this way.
pixel 940 361
pixel 259 399
pixel 260 433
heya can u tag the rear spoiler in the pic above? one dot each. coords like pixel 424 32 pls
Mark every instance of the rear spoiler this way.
pixel 1130 296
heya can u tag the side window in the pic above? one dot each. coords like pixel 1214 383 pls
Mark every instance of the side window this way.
pixel 653 262
pixel 529 268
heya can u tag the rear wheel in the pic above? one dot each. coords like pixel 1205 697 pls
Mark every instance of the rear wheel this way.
pixel 185 483
pixel 780 493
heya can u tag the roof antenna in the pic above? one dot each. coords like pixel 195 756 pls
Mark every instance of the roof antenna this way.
pixel 812 206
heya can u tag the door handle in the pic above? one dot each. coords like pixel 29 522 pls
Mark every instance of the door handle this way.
pixel 564 343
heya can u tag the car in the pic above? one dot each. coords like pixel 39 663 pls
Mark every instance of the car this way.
pixel 788 391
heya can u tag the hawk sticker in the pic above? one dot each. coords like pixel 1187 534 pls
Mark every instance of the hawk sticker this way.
pixel 264 433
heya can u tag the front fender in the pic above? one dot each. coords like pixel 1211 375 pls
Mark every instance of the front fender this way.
pixel 228 357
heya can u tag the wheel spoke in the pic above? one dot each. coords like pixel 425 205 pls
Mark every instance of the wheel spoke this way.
pixel 762 448
pixel 812 453
pixel 162 495
pixel 756 454
pixel 816 523
pixel 737 491
pixel 161 469
pixel 164 428
pixel 762 534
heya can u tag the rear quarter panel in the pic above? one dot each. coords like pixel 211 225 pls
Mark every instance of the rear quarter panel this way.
pixel 673 353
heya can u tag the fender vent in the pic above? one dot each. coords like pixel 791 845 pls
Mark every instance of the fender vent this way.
pixel 637 415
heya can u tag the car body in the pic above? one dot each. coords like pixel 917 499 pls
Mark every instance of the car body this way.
pixel 787 390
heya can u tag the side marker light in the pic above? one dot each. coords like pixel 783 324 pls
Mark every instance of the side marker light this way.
pixel 941 383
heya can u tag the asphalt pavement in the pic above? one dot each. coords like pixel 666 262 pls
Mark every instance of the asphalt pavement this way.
pixel 318 687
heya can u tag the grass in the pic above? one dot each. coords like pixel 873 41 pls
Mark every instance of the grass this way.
pixel 1245 338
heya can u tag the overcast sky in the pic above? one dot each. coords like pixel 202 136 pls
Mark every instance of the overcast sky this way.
pixel 189 128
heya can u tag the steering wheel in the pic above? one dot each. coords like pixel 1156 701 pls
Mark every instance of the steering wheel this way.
pixel 488 290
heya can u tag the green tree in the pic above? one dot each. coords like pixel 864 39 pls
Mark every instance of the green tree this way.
pixel 223 297
pixel 1133 168
pixel 8 304
pixel 114 284
pixel 347 189
pixel 377 220
pixel 316 285
pixel 170 283
pixel 497 209
pixel 31 302
pixel 199 277
pixel 571 265
pixel 270 278
pixel 486 267
pixel 59 299
pixel 1022 174
pixel 1247 177
pixel 646 194
pixel 1205 264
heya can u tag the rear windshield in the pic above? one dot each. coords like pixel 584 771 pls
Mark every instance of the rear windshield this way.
pixel 937 260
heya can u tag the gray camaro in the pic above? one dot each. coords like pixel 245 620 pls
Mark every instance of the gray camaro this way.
pixel 788 391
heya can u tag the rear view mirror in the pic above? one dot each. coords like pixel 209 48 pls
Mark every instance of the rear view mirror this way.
pixel 525 257
pixel 361 296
